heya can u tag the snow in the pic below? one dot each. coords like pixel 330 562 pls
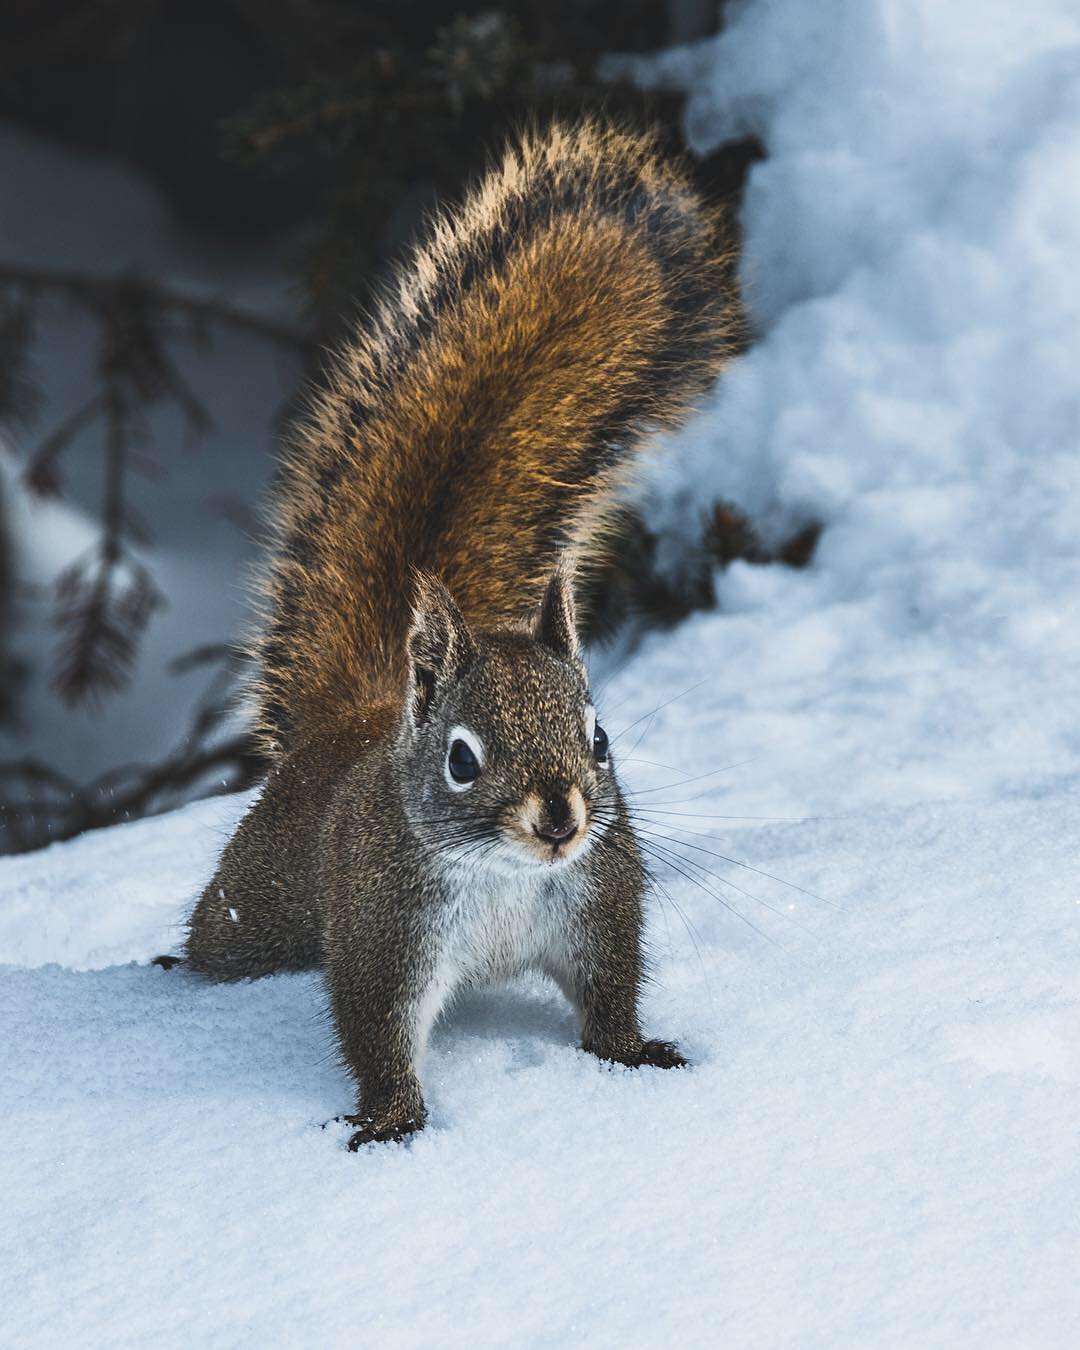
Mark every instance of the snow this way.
pixel 876 1144
pixel 112 896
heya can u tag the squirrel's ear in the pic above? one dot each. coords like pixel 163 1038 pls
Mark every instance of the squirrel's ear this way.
pixel 556 625
pixel 439 644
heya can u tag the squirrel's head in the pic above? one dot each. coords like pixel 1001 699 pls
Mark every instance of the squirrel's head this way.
pixel 502 758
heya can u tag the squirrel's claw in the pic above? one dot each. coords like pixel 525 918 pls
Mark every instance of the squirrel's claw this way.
pixel 379 1131
pixel 655 1054
pixel 662 1055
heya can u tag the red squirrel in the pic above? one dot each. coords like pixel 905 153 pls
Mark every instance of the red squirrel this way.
pixel 443 809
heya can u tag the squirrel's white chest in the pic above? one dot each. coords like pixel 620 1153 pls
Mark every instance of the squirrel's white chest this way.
pixel 494 925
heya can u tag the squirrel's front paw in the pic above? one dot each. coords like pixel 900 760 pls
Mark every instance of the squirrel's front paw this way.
pixel 662 1055
pixel 657 1054
pixel 381 1129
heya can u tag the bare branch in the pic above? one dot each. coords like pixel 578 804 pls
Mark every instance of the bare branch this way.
pixel 209 654
pixel 39 804
pixel 31 823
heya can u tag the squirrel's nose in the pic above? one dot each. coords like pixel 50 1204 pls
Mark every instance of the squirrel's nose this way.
pixel 560 824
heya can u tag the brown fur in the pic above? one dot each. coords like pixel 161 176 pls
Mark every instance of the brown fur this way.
pixel 473 434
pixel 575 302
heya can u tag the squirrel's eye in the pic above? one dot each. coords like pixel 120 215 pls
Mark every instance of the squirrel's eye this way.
pixel 600 744
pixel 463 765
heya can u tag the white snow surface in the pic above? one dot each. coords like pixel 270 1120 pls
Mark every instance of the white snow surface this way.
pixel 876 1144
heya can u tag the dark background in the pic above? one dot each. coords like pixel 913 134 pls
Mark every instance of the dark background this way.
pixel 311 134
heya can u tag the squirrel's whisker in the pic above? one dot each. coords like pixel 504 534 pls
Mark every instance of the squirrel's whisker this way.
pixel 660 851
pixel 652 850
pixel 652 713
pixel 653 763
pixel 736 862
pixel 660 809
pixel 658 841
pixel 663 787
pixel 691 931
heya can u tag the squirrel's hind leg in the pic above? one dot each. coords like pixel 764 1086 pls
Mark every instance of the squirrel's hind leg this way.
pixel 258 914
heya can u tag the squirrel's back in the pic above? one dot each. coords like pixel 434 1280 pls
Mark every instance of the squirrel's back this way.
pixel 577 300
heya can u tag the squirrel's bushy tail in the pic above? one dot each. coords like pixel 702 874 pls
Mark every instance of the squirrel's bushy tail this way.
pixel 578 299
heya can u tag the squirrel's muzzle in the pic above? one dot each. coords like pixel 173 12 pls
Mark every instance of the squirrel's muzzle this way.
pixel 559 821
pixel 555 820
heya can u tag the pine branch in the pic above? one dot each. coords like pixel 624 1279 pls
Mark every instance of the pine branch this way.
pixel 41 475
pixel 101 295
pixel 101 614
pixel 105 599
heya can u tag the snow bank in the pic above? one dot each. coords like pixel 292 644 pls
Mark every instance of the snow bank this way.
pixel 910 262
pixel 112 895
pixel 876 1144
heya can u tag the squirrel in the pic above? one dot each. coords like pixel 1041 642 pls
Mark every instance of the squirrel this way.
pixel 442 808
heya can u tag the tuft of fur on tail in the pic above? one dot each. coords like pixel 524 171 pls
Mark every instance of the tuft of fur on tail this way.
pixel 577 301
